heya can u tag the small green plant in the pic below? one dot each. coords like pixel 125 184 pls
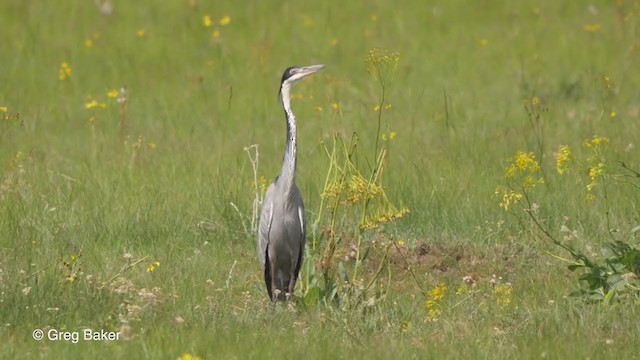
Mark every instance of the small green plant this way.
pixel 355 208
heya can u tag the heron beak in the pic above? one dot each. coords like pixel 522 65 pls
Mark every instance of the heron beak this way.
pixel 308 70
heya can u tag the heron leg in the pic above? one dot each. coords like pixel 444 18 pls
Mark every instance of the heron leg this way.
pixel 292 284
pixel 274 290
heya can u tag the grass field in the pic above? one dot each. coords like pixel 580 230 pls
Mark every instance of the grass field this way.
pixel 129 211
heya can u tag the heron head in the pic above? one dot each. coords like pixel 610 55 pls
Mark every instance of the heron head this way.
pixel 294 74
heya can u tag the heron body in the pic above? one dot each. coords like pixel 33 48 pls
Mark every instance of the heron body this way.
pixel 282 230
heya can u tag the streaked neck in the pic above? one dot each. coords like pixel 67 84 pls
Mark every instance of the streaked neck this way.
pixel 289 162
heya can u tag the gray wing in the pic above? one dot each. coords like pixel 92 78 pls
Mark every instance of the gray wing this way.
pixel 303 228
pixel 266 218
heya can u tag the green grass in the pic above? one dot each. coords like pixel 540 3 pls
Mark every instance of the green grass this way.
pixel 196 102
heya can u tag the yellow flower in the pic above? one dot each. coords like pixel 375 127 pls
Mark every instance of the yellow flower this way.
pixel 595 172
pixel 387 107
pixel 405 326
pixel 433 300
pixel 335 106
pixel 334 42
pixel 483 42
pixel 215 34
pixel 374 18
pixel 392 135
pixel 88 43
pixel 226 20
pixel 509 197
pixel 437 293
pixel 153 146
pixel 65 71
pixel 262 183
pixel 206 21
pixel 522 163
pixel 564 159
pixel 113 93
pixel 92 104
pixel 152 267
pixel 503 294
pixel 3 109
pixel 318 108
pixel 382 63
pixel 188 356
pixel 612 114
pixel 462 289
pixel 535 101
pixel 376 108
pixel 140 33
pixel 360 189
pixel 606 79
pixel 596 141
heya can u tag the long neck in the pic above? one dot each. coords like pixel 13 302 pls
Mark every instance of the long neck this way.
pixel 290 160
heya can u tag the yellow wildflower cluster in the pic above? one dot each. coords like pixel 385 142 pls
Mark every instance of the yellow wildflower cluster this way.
pixel 71 267
pixel 522 172
pixel 355 190
pixel 382 63
pixel 597 165
pixel 383 218
pixel 377 108
pixel 153 266
pixel 432 304
pixel 509 197
pixel 206 21
pixel 503 293
pixel 94 104
pixel 564 159
pixel 226 20
pixel 65 71
pixel 534 101
pixel 5 115
pixel 525 167
pixel 360 189
pixel 595 172
pixel 389 136
pixel 522 163
pixel 595 142
pixel 332 192
pixel 261 184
